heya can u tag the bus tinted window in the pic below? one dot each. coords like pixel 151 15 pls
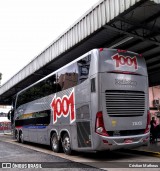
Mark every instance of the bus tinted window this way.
pixel 42 89
pixel 83 68
pixel 36 118
pixel 51 86
pixel 68 77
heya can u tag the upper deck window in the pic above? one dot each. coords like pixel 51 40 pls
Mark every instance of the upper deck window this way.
pixel 83 68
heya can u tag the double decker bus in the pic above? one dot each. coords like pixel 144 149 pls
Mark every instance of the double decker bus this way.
pixel 97 102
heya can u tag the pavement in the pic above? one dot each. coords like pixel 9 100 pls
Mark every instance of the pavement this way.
pixel 151 148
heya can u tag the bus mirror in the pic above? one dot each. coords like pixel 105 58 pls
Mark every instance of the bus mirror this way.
pixel 11 115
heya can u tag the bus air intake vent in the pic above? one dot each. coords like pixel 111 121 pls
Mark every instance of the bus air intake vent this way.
pixel 125 103
pixel 84 134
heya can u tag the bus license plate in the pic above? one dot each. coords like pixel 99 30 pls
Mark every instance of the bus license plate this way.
pixel 127 141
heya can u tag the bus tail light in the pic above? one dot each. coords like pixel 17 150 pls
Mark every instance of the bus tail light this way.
pixel 100 49
pixel 99 128
pixel 148 122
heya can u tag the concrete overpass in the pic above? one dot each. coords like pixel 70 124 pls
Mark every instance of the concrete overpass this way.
pixel 125 24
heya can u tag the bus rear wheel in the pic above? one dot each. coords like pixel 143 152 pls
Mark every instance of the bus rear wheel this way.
pixel 17 136
pixel 55 143
pixel 66 144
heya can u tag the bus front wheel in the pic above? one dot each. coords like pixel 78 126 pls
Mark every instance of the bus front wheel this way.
pixel 17 136
pixel 21 138
pixel 66 144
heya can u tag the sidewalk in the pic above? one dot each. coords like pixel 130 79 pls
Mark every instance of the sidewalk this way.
pixel 153 148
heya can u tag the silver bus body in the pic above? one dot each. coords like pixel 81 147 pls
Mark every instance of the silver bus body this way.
pixel 104 107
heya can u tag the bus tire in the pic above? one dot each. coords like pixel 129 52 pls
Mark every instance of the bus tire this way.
pixel 66 144
pixel 17 136
pixel 21 138
pixel 55 143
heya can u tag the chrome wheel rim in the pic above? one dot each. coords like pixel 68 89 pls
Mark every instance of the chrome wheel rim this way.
pixel 17 137
pixel 21 137
pixel 54 143
pixel 66 143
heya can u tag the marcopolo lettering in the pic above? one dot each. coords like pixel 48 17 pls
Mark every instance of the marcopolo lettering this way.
pixel 122 60
pixel 63 107
pixel 125 82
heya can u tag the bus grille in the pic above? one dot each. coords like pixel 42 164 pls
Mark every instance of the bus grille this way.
pixel 125 103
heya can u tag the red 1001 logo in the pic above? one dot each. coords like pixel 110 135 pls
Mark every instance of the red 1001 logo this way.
pixel 63 107
pixel 122 60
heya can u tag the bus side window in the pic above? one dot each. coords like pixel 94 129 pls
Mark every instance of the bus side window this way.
pixel 83 68
pixel 52 85
pixel 43 117
pixel 68 77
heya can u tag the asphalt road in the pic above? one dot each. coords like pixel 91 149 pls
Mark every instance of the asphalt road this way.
pixel 13 152
pixel 21 157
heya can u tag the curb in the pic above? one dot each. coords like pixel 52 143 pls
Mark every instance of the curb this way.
pixel 7 134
